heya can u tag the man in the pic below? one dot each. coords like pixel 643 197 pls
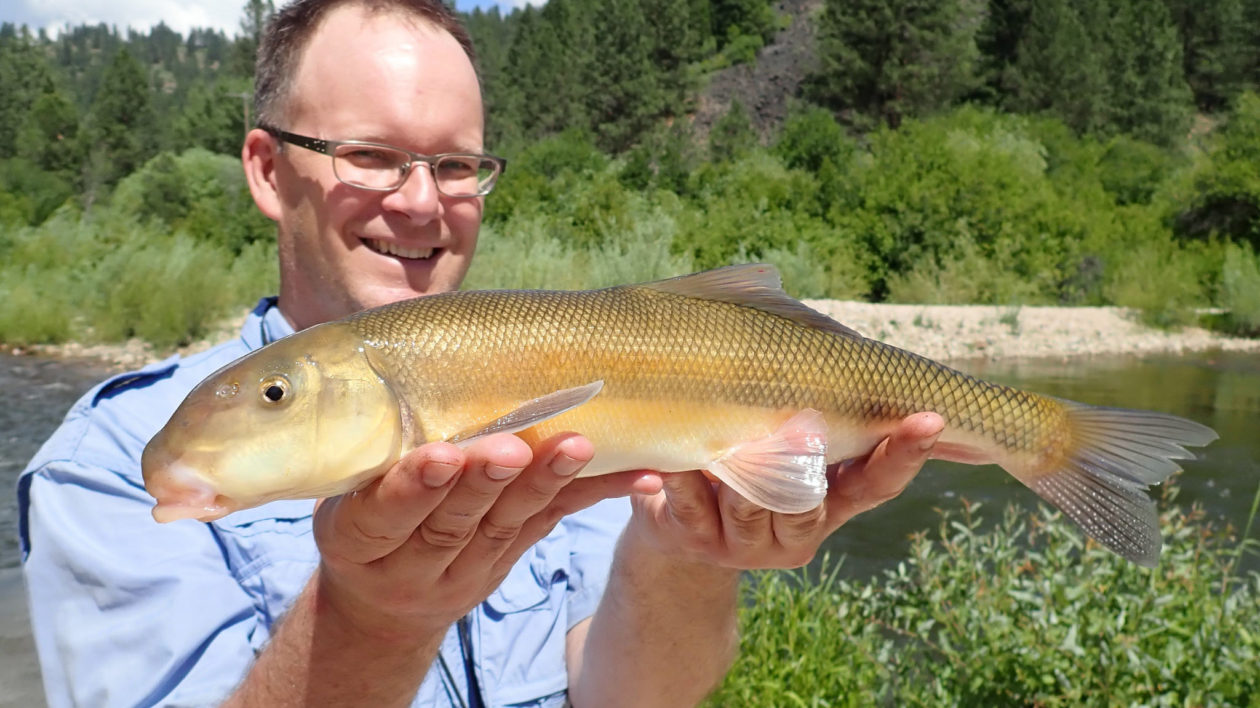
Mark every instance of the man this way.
pixel 461 576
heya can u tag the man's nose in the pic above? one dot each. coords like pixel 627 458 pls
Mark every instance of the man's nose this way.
pixel 418 192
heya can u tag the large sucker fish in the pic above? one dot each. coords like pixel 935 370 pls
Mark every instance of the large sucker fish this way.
pixel 719 370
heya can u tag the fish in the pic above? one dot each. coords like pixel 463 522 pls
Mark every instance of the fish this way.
pixel 719 370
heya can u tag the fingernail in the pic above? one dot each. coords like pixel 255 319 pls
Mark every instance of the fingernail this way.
pixel 565 466
pixel 926 443
pixel 499 472
pixel 436 473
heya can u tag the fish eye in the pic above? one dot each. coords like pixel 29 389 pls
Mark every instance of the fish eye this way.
pixel 274 390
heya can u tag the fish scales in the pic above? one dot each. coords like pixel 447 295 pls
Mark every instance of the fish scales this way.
pixel 718 370
pixel 646 344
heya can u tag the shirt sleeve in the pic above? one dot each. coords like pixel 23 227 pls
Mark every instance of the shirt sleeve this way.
pixel 128 612
pixel 593 532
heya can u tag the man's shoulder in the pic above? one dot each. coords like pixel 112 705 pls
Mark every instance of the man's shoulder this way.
pixel 110 424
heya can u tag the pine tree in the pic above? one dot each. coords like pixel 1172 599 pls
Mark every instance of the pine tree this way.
pixel 1149 96
pixel 120 124
pixel 1058 68
pixel 882 60
pixel 549 60
pixel 674 46
pixel 625 92
pixel 1213 49
pixel 254 18
pixel 49 135
pixel 24 77
pixel 212 117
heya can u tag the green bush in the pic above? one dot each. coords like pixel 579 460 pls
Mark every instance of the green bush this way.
pixel 812 136
pixel 1240 284
pixel 1226 197
pixel 200 193
pixel 1026 613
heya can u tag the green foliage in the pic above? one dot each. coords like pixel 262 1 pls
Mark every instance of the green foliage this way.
pixel 1240 284
pixel 30 193
pixel 1133 170
pixel 1023 613
pixel 732 135
pixel 121 126
pixel 197 192
pixel 734 19
pixel 110 279
pixel 24 77
pixel 213 117
pixel 1226 194
pixel 49 135
pixel 883 61
pixel 1154 274
pixel 934 189
pixel 811 137
pixel 1214 44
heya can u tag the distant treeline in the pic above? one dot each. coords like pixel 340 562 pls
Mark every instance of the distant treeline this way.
pixel 1007 152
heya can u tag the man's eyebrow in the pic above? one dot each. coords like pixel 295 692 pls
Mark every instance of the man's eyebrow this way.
pixel 460 148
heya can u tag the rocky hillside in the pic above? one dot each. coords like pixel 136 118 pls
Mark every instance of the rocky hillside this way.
pixel 766 88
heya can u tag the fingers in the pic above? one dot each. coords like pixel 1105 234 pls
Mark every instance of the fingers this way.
pixel 491 466
pixel 746 527
pixel 882 475
pixel 366 525
pixel 554 465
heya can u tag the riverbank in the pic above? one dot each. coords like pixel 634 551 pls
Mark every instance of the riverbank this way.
pixel 952 333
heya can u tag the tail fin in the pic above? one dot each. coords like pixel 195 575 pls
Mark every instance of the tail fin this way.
pixel 1115 455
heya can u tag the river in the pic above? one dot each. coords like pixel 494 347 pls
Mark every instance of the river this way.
pixel 1219 390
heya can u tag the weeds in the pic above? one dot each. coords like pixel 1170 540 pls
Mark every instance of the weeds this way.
pixel 1026 613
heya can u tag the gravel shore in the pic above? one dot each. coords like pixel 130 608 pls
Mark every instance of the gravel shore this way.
pixel 951 333
pixel 959 333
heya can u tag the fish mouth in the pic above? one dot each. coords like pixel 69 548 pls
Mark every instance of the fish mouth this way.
pixel 392 248
pixel 181 491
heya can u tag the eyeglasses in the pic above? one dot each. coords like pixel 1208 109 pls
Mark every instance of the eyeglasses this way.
pixel 384 168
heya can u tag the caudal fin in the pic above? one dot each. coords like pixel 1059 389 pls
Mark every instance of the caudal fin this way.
pixel 1102 482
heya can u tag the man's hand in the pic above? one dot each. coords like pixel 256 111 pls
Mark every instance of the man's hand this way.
pixel 423 545
pixel 712 523
pixel 405 557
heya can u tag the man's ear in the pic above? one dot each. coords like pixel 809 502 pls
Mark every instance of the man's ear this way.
pixel 258 157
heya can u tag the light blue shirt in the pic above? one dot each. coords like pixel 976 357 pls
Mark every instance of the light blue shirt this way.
pixel 129 612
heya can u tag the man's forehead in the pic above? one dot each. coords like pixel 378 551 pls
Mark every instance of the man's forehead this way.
pixel 371 57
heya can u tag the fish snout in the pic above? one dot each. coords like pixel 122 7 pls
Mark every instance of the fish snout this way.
pixel 180 490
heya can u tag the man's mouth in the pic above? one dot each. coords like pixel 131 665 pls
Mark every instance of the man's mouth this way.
pixel 393 249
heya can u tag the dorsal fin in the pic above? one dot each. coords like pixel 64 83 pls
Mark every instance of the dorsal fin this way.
pixel 755 285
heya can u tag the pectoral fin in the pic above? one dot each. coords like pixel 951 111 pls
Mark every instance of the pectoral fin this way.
pixel 785 472
pixel 531 413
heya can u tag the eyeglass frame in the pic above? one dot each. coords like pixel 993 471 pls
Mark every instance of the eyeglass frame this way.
pixel 327 147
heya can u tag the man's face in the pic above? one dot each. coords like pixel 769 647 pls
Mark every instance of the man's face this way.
pixel 385 78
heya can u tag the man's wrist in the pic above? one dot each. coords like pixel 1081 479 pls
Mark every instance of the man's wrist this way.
pixel 356 620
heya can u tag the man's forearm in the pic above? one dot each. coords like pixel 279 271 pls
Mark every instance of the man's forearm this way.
pixel 665 632
pixel 319 657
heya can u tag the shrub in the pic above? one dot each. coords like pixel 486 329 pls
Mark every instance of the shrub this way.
pixel 1240 284
pixel 1023 614
pixel 812 136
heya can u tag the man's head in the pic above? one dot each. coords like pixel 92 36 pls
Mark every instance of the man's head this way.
pixel 399 73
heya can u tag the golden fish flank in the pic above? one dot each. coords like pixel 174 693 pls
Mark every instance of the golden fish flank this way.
pixel 718 370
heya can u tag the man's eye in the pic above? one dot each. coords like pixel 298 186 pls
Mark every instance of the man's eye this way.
pixel 457 167
pixel 371 157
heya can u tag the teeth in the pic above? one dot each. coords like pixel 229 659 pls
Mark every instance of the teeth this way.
pixel 394 249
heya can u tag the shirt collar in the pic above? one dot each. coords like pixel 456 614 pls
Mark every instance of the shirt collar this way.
pixel 265 324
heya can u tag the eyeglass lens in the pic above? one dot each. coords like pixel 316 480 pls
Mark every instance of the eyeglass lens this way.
pixel 377 167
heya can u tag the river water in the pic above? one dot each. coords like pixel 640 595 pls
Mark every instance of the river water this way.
pixel 1219 390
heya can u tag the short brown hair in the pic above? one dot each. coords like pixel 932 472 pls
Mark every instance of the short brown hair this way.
pixel 289 31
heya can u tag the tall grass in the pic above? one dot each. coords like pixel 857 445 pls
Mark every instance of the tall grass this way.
pixel 1025 613
pixel 94 280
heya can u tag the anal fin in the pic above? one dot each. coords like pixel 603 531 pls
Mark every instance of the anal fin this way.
pixel 784 472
